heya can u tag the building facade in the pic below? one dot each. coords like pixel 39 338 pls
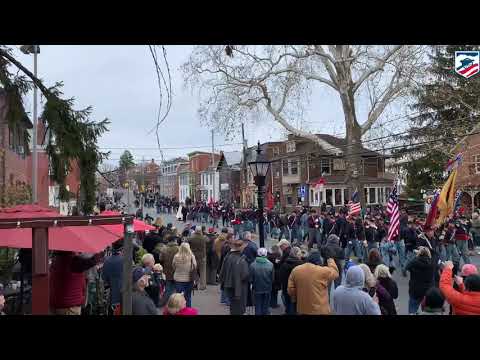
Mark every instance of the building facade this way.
pixel 184 183
pixel 228 169
pixel 468 176
pixel 168 181
pixel 16 165
pixel 200 163
pixel 297 166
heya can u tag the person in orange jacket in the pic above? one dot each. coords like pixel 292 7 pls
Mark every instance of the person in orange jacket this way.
pixel 463 303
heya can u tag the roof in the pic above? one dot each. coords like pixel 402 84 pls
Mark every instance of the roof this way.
pixel 340 179
pixel 175 161
pixel 332 145
pixel 233 157
pixel 3 98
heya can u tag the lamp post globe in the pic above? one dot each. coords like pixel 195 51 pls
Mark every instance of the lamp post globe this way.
pixel 259 168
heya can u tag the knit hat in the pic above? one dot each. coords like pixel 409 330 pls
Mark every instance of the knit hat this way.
pixel 262 252
pixel 314 258
pixel 469 269
pixel 137 273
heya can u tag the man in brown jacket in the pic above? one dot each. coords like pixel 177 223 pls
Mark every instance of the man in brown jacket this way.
pixel 198 244
pixel 166 259
pixel 308 285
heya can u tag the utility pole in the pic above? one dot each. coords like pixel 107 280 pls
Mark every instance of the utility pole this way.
pixel 213 169
pixel 142 198
pixel 244 162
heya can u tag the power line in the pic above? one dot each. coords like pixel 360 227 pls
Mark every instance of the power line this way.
pixel 168 148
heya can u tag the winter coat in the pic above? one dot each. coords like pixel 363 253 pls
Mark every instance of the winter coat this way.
pixel 332 248
pixel 250 252
pixel 385 301
pixel 68 281
pixel 463 303
pixel 390 285
pixel 198 244
pixel 151 240
pixel 275 260
pixel 142 304
pixel 410 237
pixel 421 271
pixel 286 269
pixel 308 287
pixel 235 274
pixel 350 299
pixel 184 311
pixel 112 272
pixel 166 259
pixel 217 245
pixel 183 268
pixel 262 276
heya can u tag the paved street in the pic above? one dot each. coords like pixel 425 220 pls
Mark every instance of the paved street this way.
pixel 208 301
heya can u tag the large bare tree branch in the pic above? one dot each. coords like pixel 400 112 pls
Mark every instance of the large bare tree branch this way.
pixel 378 66
pixel 390 93
pixel 46 92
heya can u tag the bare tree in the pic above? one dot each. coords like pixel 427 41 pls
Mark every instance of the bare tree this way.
pixel 254 81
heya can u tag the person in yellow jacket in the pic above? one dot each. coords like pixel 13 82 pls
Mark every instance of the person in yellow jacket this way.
pixel 308 285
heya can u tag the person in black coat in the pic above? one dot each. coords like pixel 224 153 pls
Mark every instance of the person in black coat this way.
pixel 274 257
pixel 333 250
pixel 292 261
pixel 421 271
pixel 340 230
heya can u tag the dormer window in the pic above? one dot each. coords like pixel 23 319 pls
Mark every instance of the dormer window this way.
pixel 290 146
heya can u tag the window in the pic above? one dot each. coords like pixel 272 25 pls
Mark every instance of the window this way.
pixel 289 200
pixel 477 164
pixel 325 166
pixel 285 168
pixel 328 196
pixel 276 151
pixel 290 146
pixel 381 197
pixel 387 193
pixel 372 199
pixel 345 195
pixel 338 196
pixel 293 167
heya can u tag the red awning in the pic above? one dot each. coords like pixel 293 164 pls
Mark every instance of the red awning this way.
pixel 138 225
pixel 89 239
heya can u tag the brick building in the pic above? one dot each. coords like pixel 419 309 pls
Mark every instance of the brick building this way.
pixel 468 178
pixel 16 166
pixel 298 163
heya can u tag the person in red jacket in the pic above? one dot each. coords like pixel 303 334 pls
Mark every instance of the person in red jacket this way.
pixel 177 305
pixel 463 303
pixel 68 281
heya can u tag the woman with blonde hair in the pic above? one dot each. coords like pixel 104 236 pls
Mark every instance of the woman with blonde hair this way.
pixel 377 292
pixel 184 266
pixel 384 278
pixel 177 305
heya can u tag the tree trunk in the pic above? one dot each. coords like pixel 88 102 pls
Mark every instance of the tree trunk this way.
pixel 354 148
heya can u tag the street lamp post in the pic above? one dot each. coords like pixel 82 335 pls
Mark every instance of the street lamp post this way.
pixel 259 168
pixel 34 49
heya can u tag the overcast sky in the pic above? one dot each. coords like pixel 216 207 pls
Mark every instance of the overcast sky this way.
pixel 120 83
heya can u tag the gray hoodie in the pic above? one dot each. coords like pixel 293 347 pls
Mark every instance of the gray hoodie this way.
pixel 350 299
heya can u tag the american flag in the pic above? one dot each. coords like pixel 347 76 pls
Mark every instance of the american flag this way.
pixel 458 200
pixel 354 207
pixel 393 212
